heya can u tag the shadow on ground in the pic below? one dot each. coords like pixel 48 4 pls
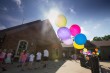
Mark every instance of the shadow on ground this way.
pixel 52 67
pixel 105 69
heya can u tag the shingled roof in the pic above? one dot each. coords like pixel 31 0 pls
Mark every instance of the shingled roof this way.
pixel 19 26
pixel 102 43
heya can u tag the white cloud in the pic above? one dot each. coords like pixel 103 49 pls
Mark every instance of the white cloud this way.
pixel 97 26
pixel 72 10
pixel 87 22
pixel 45 1
pixel 107 19
pixel 84 31
pixel 5 9
pixel 19 4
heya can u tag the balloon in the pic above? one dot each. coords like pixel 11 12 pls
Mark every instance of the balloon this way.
pixel 78 46
pixel 68 41
pixel 97 53
pixel 93 53
pixel 75 29
pixel 96 49
pixel 63 33
pixel 89 52
pixel 85 50
pixel 80 39
pixel 61 21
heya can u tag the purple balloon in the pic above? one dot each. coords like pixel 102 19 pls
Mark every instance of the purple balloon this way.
pixel 64 33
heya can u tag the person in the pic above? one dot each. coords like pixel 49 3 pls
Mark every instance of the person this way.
pixel 82 60
pixel 27 60
pixel 20 63
pixel 8 58
pixel 1 61
pixel 38 59
pixel 87 63
pixel 75 57
pixel 13 55
pixel 64 56
pixel 94 63
pixel 23 57
pixel 31 59
pixel 4 55
pixel 45 56
pixel 72 57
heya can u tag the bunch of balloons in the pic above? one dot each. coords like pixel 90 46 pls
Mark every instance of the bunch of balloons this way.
pixel 65 34
pixel 79 38
pixel 89 52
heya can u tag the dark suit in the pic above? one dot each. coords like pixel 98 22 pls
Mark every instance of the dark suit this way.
pixel 94 64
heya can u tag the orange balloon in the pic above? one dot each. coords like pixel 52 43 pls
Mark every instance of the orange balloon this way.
pixel 93 53
pixel 96 49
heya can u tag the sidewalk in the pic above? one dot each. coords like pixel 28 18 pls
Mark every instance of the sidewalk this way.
pixel 106 64
pixel 72 67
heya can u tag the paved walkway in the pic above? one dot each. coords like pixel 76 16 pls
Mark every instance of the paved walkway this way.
pixel 105 64
pixel 72 67
pixel 54 67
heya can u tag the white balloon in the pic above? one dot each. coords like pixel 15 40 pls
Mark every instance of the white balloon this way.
pixel 68 41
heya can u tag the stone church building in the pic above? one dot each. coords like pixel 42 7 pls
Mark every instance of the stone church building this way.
pixel 34 36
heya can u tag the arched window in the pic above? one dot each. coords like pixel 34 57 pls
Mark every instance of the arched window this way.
pixel 22 45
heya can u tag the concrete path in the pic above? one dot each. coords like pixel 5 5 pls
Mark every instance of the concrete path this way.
pixel 72 67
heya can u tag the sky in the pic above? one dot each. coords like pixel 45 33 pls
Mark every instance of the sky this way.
pixel 93 16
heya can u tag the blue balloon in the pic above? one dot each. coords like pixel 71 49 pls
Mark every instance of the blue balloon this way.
pixel 98 51
pixel 80 39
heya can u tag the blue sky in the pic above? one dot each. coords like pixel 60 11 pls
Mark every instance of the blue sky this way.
pixel 93 16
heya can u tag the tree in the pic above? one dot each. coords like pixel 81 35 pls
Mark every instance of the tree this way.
pixel 97 39
pixel 106 37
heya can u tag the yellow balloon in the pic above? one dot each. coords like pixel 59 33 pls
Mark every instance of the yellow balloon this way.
pixel 61 21
pixel 78 46
pixel 85 50
pixel 97 53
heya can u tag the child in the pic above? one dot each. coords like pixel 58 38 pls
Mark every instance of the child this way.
pixel 31 59
pixel 38 58
pixel 1 61
pixel 8 58
pixel 23 58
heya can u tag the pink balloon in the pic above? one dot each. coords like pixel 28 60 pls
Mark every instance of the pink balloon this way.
pixel 68 41
pixel 75 29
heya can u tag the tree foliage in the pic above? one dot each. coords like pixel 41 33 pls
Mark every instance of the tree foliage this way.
pixel 106 37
